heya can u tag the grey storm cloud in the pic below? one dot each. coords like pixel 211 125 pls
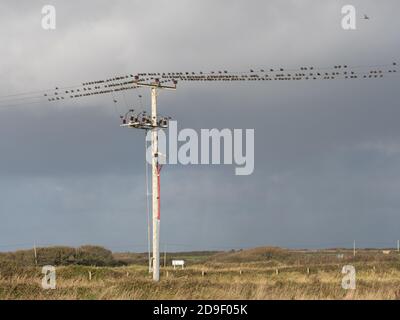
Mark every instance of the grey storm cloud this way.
pixel 326 153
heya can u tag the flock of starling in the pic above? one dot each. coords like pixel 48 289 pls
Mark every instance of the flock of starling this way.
pixel 128 82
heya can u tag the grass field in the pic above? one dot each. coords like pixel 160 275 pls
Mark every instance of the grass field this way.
pixel 261 273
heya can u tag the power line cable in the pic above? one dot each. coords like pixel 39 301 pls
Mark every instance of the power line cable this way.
pixel 126 82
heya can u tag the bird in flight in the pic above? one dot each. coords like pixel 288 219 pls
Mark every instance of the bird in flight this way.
pixel 366 17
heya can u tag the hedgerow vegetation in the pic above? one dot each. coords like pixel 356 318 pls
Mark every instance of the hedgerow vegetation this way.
pixel 57 256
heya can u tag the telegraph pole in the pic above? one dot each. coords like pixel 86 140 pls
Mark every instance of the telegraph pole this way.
pixel 155 187
pixel 154 123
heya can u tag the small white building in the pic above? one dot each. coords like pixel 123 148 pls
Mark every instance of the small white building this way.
pixel 177 263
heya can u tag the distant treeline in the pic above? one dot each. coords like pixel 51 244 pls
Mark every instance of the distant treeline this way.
pixel 56 256
pixel 273 256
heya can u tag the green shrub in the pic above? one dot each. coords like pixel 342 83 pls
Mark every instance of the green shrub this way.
pixel 56 256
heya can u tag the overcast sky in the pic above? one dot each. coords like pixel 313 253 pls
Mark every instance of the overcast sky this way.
pixel 327 167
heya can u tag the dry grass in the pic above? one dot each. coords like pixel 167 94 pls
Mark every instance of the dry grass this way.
pixel 248 274
pixel 227 282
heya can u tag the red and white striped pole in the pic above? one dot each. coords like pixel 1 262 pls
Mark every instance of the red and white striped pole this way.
pixel 155 187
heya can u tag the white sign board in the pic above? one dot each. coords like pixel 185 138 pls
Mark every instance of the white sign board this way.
pixel 176 263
